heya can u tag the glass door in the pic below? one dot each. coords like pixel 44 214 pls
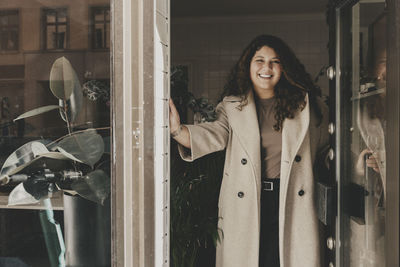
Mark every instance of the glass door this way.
pixel 361 131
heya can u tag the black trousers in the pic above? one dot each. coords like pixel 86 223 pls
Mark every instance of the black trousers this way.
pixel 269 232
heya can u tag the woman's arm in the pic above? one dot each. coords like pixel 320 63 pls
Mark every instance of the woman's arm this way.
pixel 195 141
pixel 178 131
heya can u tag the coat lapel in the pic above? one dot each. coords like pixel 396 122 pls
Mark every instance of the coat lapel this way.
pixel 244 124
pixel 293 133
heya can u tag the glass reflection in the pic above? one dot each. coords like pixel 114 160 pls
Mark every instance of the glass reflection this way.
pixel 367 229
pixel 55 160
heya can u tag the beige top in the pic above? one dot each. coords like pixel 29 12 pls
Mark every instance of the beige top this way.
pixel 271 140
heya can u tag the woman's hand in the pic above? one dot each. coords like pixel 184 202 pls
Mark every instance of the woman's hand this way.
pixel 174 119
pixel 370 162
pixel 179 132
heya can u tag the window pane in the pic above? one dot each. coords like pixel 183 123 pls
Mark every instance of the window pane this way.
pixel 99 16
pixel 63 217
pixel 56 21
pixel 62 16
pixel 51 37
pixel 101 27
pixel 3 39
pixel 4 20
pixel 363 149
pixel 61 37
pixel 51 17
pixel 12 43
pixel 107 35
pixel 13 19
pixel 99 36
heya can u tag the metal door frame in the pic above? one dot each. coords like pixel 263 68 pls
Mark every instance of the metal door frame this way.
pixel 393 122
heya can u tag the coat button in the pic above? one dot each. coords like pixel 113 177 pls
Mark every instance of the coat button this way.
pixel 241 194
pixel 297 158
pixel 244 161
pixel 301 192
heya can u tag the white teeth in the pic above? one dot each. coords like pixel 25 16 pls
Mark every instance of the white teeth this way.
pixel 265 76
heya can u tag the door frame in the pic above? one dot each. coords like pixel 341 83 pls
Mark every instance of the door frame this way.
pixel 393 121
pixel 393 134
pixel 138 237
pixel 140 158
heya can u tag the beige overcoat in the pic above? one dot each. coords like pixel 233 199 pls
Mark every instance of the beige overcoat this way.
pixel 238 132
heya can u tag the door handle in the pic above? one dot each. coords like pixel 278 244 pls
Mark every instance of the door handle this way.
pixel 354 202
pixel 331 72
pixel 326 202
pixel 330 243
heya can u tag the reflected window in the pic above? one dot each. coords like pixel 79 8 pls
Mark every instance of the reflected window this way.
pixel 9 29
pixel 100 27
pixel 55 28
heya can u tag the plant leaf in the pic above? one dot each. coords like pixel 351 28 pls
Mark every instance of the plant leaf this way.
pixel 95 186
pixel 19 196
pixel 55 161
pixel 38 149
pixel 68 155
pixel 86 147
pixel 36 111
pixel 62 78
pixel 74 103
pixel 21 156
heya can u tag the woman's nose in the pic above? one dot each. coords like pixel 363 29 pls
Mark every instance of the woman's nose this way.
pixel 267 65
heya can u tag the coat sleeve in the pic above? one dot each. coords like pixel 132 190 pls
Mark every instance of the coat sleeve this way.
pixel 207 137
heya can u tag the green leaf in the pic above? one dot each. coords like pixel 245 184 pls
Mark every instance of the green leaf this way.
pixel 74 103
pixel 22 155
pixel 36 111
pixel 95 186
pixel 19 196
pixel 86 147
pixel 63 78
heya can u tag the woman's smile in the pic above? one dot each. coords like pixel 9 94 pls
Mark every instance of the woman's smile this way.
pixel 265 76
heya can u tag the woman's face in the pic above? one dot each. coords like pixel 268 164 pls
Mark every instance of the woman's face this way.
pixel 265 72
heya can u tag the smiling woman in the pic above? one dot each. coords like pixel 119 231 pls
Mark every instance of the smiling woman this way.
pixel 270 105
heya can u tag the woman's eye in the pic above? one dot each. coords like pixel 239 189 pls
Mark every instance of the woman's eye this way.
pixel 276 62
pixel 259 60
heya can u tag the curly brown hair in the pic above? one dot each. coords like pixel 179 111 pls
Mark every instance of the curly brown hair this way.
pixel 291 89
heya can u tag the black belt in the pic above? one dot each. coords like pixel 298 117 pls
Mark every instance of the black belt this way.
pixel 268 184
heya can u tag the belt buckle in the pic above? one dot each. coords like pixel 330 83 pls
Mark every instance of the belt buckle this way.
pixel 268 186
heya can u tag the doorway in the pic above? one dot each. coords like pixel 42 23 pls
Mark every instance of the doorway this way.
pixel 207 39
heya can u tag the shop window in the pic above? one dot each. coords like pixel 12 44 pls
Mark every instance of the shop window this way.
pixel 100 27
pixel 50 94
pixel 55 27
pixel 9 29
